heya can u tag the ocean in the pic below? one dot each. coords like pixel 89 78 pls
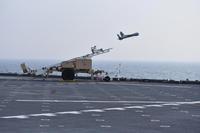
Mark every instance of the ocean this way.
pixel 141 70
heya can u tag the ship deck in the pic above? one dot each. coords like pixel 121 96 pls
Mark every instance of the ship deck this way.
pixel 53 106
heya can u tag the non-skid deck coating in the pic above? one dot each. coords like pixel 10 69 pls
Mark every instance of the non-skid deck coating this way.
pixel 98 107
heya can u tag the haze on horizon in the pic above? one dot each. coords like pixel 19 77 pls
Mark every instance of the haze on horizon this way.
pixel 62 29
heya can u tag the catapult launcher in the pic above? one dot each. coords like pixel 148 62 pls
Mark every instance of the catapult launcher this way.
pixel 69 68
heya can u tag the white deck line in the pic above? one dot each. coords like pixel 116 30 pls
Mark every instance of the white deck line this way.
pixel 90 101
pixel 95 110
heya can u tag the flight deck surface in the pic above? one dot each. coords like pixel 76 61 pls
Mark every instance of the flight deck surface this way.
pixel 29 106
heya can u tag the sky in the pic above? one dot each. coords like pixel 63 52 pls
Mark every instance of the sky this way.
pixel 64 29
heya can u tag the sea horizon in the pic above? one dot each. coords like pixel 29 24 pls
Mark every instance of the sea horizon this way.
pixel 129 69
